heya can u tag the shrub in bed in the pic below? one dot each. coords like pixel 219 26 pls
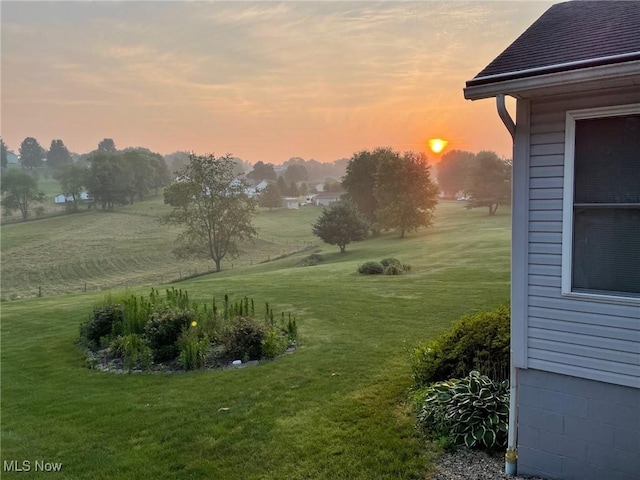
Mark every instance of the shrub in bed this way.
pixel 475 342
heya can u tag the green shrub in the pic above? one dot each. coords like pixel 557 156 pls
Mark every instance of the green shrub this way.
pixel 291 331
pixel 164 329
pixel 386 262
pixel 475 342
pixel 393 269
pixel 311 260
pixel 244 338
pixel 101 324
pixel 371 268
pixel 273 344
pixel 194 349
pixel 473 411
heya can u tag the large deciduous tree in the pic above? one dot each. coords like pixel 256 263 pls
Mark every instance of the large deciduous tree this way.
pixel 489 182
pixel 262 171
pixel 296 173
pixel 213 207
pixel 109 180
pixel 341 224
pixel 453 170
pixel 58 155
pixel 360 179
pixel 405 193
pixel 19 190
pixel 31 153
pixel 73 178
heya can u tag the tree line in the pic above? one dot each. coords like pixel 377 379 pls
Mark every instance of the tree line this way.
pixel 108 176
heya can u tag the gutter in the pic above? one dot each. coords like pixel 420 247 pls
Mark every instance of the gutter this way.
pixel 565 81
pixel 558 67
pixel 511 456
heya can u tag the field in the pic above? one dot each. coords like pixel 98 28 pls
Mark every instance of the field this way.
pixel 334 409
pixel 99 250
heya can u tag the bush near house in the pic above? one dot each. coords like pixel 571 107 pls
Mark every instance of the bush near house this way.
pixel 181 333
pixel 475 342
pixel 460 387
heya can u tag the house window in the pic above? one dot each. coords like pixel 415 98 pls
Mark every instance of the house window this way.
pixel 601 227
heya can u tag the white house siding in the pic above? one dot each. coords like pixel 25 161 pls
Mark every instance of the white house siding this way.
pixel 595 340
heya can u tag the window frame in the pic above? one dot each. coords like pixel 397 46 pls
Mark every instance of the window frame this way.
pixel 568 200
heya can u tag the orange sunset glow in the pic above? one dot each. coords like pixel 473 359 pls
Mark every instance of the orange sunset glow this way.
pixel 260 80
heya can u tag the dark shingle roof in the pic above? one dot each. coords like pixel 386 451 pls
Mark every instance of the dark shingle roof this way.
pixel 589 32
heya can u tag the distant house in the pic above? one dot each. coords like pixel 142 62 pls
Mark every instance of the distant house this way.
pixel 327 198
pixel 62 199
pixel 12 159
pixel 291 202
pixel 255 190
pixel 575 280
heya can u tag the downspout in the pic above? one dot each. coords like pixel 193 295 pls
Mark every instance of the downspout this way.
pixel 511 456
pixel 504 115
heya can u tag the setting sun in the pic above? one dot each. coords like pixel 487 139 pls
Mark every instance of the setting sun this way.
pixel 437 144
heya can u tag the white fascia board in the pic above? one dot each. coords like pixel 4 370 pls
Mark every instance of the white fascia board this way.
pixel 627 73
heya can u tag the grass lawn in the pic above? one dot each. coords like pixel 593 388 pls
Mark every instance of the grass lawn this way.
pixel 332 410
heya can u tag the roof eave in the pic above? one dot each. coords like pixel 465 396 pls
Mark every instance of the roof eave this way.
pixel 601 76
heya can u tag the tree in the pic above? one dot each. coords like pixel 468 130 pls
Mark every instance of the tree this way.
pixel 213 207
pixel 72 178
pixel 19 190
pixel 109 181
pixel 139 161
pixel 58 155
pixel 107 145
pixel 161 174
pixel 270 196
pixel 341 224
pixel 453 170
pixel 3 154
pixel 262 171
pixel 489 182
pixel 360 179
pixel 293 190
pixel 177 160
pixel 31 153
pixel 304 189
pixel 405 193
pixel 282 186
pixel 296 173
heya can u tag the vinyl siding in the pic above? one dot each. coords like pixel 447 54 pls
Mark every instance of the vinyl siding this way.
pixel 590 338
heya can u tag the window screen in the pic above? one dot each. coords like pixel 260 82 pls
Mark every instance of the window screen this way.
pixel 606 212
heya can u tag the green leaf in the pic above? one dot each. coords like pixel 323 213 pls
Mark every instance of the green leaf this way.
pixel 469 441
pixel 489 438
pixel 478 432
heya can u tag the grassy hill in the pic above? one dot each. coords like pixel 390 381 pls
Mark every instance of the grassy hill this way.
pixel 100 250
pixel 332 410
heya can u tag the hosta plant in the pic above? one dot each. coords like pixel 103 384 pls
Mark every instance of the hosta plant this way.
pixel 473 411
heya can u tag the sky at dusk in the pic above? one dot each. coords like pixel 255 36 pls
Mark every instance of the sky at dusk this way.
pixel 260 80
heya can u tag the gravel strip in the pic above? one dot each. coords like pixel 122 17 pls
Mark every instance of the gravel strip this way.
pixel 467 464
